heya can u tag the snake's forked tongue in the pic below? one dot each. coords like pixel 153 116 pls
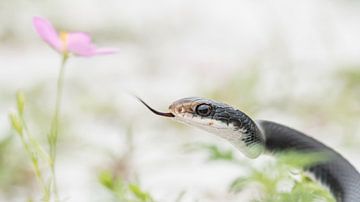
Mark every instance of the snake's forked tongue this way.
pixel 166 114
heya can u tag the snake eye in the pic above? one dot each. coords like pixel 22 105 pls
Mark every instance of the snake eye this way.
pixel 203 110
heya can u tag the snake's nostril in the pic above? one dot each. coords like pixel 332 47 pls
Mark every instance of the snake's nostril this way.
pixel 180 110
pixel 176 109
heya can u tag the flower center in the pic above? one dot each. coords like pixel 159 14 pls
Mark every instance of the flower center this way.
pixel 64 39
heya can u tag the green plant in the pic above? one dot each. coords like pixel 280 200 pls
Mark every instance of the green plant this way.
pixel 32 148
pixel 123 191
pixel 271 176
pixel 286 170
pixel 213 151
pixel 67 44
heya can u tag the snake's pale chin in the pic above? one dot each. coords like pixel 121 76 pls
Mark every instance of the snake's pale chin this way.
pixel 228 132
pixel 253 138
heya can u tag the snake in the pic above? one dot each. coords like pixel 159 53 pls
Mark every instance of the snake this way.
pixel 253 138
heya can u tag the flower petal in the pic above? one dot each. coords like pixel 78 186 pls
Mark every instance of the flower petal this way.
pixel 80 44
pixel 47 32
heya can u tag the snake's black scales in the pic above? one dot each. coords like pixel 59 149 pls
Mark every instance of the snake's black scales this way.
pixel 337 173
pixel 334 171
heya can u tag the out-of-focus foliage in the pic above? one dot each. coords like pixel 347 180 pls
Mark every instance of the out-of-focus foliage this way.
pixel 11 171
pixel 34 151
pixel 351 79
pixel 274 177
pixel 15 176
pixel 123 191
pixel 172 51
pixel 279 181
pixel 214 152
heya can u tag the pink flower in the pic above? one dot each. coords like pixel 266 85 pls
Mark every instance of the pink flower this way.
pixel 78 43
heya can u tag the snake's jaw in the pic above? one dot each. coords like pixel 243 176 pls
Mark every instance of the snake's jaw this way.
pixel 223 121
pixel 238 130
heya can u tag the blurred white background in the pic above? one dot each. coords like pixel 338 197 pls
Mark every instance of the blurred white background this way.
pixel 294 62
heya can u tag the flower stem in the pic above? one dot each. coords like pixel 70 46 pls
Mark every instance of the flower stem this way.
pixel 54 130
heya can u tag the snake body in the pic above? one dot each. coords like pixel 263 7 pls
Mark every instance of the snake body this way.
pixel 253 138
pixel 336 172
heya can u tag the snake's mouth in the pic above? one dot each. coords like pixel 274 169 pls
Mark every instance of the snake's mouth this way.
pixel 166 114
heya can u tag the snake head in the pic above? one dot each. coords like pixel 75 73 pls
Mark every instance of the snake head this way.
pixel 217 118
pixel 222 120
pixel 195 111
